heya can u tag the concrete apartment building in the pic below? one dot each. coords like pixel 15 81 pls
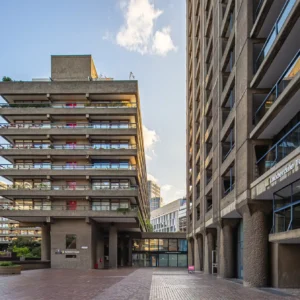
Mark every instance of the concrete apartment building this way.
pixel 170 217
pixel 243 124
pixel 76 163
pixel 154 198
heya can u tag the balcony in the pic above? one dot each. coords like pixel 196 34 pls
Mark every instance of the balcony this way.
pixel 68 191
pixel 280 105
pixel 286 145
pixel 281 45
pixel 74 105
pixel 41 126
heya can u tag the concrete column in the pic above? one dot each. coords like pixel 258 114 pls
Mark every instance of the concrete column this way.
pixel 255 256
pixel 197 254
pixel 209 246
pixel 113 247
pixel 130 252
pixel 100 250
pixel 201 252
pixel 46 243
pixel 191 252
pixel 122 252
pixel 226 251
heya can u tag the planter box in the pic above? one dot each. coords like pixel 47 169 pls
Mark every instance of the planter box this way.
pixel 10 270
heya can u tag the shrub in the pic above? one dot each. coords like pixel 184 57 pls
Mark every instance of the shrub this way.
pixel 6 264
pixel 5 78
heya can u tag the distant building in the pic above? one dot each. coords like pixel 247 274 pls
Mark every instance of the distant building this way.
pixel 155 203
pixel 170 218
pixel 153 191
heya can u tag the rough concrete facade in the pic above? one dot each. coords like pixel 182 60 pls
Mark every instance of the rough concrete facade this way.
pixel 232 122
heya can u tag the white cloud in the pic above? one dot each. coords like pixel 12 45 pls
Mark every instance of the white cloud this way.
pixel 180 193
pixel 148 157
pixel 162 42
pixel 150 137
pixel 166 187
pixel 107 36
pixel 151 177
pixel 137 34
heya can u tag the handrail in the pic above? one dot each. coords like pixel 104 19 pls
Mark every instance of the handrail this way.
pixel 277 143
pixel 50 206
pixel 71 126
pixel 70 147
pixel 69 105
pixel 275 29
pixel 259 5
pixel 67 187
pixel 276 86
pixel 67 167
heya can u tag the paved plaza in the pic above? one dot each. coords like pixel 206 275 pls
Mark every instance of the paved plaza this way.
pixel 131 284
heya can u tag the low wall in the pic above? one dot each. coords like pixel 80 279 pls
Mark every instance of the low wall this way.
pixel 33 264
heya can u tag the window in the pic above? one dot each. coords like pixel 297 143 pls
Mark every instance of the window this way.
pixel 182 245
pixel 198 211
pixel 163 245
pixel 172 245
pixel 172 260
pixel 153 245
pixel 71 241
pixel 182 260
pixel 163 260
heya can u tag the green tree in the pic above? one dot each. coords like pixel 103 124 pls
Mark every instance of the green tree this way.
pixel 22 244
pixel 149 226
pixel 21 251
pixel 6 78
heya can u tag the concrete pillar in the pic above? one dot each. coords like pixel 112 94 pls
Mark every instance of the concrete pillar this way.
pixel 255 256
pixel 113 247
pixel 191 252
pixel 46 243
pixel 130 252
pixel 100 250
pixel 226 251
pixel 197 254
pixel 122 252
pixel 209 246
pixel 201 252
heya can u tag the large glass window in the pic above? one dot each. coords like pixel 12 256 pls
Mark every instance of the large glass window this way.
pixel 145 245
pixel 172 260
pixel 172 245
pixel 163 260
pixel 182 245
pixel 163 245
pixel 137 245
pixel 182 260
pixel 71 241
pixel 153 245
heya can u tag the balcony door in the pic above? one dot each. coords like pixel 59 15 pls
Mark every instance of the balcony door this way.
pixel 71 205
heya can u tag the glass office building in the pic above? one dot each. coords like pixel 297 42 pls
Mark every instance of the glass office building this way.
pixel 159 253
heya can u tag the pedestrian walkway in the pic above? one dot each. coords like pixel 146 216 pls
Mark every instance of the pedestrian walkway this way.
pixel 129 284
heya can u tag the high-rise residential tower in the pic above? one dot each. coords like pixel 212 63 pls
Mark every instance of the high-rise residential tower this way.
pixel 154 198
pixel 243 138
pixel 76 162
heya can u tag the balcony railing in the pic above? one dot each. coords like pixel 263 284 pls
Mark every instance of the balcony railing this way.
pixel 88 207
pixel 257 8
pixel 69 105
pixel 69 147
pixel 105 166
pixel 284 80
pixel 67 188
pixel 68 126
pixel 287 8
pixel 286 145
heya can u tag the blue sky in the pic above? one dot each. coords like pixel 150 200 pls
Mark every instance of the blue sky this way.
pixel 146 37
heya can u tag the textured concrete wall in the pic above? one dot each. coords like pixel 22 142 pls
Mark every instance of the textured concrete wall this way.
pixel 100 250
pixel 209 246
pixel 83 232
pixel 255 255
pixel 200 251
pixel 191 252
pixel 196 255
pixel 288 266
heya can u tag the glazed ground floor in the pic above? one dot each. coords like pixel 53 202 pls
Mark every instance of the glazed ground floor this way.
pixel 245 248
pixel 78 244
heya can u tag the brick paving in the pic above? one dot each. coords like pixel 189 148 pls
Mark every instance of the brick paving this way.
pixel 129 284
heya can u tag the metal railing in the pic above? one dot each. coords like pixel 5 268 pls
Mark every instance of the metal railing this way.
pixel 286 145
pixel 257 8
pixel 67 187
pixel 68 126
pixel 277 89
pixel 70 207
pixel 69 105
pixel 288 6
pixel 115 166
pixel 69 147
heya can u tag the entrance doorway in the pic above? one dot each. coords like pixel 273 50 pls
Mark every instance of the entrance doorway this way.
pixel 153 260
